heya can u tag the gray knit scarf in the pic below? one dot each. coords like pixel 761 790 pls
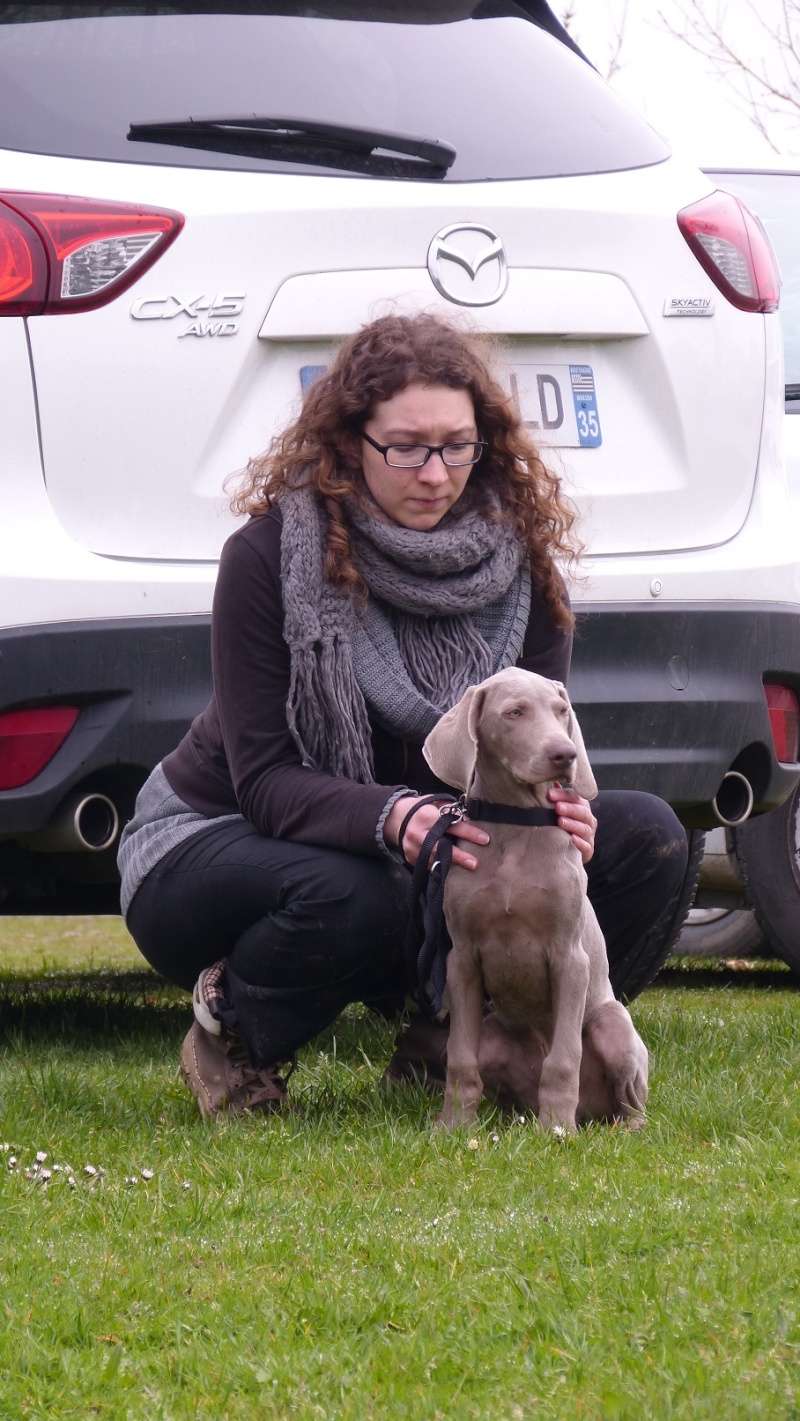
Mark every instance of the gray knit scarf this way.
pixel 446 608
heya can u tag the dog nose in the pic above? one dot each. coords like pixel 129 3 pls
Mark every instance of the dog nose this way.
pixel 562 757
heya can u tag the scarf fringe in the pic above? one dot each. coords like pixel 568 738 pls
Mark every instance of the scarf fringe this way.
pixel 443 655
pixel 323 696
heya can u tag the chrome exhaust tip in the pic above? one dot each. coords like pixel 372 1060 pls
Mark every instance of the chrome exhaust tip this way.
pixel 86 823
pixel 96 822
pixel 733 801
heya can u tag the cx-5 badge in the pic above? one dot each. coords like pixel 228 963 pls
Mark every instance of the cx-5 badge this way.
pixel 457 258
pixel 208 315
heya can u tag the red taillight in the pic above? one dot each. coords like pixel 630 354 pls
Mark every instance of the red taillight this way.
pixel 784 720
pixel 29 739
pixel 731 245
pixel 60 254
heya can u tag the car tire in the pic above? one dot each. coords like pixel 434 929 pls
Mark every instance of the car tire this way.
pixel 630 976
pixel 722 932
pixel 767 852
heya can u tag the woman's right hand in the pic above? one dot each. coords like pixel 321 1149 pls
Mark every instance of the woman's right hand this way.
pixel 420 824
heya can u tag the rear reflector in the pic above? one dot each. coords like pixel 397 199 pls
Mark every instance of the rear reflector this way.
pixel 784 720
pixel 731 245
pixel 61 254
pixel 29 739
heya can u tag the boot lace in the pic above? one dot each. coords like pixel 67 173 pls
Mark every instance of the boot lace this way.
pixel 261 1084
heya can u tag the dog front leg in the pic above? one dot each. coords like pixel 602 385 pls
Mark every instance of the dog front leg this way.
pixel 559 1084
pixel 463 1087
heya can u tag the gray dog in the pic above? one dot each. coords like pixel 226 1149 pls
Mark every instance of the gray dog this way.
pixel 523 930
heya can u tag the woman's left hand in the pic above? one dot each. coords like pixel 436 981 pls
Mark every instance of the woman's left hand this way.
pixel 576 817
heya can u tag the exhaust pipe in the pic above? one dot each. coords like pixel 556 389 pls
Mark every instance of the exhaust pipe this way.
pixel 86 823
pixel 733 801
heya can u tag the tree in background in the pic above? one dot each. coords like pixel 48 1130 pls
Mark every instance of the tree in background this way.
pixel 760 62
pixel 753 46
pixel 610 62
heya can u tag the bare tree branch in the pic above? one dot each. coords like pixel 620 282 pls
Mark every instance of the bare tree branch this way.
pixel 768 86
pixel 614 62
pixel 567 17
pixel 567 12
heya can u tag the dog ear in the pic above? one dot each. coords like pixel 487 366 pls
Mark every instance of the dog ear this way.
pixel 584 783
pixel 451 749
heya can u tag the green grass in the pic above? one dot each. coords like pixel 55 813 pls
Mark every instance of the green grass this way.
pixel 345 1261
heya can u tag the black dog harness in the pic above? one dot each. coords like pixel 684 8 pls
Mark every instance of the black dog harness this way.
pixel 427 963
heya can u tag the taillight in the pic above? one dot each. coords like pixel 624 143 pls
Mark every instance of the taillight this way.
pixel 784 720
pixel 61 254
pixel 731 245
pixel 29 739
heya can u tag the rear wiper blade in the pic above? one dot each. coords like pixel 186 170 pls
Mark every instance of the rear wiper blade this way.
pixel 252 129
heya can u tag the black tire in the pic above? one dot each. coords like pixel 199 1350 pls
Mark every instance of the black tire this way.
pixel 722 932
pixel 630 976
pixel 768 855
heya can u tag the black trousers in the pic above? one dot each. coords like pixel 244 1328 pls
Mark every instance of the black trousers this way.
pixel 305 930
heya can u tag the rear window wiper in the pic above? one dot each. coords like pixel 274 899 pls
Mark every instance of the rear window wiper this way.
pixel 304 140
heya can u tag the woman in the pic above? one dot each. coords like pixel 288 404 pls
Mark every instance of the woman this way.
pixel 401 546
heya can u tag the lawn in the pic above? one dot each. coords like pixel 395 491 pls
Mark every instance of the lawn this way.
pixel 345 1261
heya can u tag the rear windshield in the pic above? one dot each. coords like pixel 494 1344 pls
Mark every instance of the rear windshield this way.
pixel 775 198
pixel 512 100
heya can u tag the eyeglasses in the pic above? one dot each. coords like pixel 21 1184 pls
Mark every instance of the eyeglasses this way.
pixel 415 456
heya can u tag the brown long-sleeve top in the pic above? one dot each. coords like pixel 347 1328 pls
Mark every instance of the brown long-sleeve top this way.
pixel 238 754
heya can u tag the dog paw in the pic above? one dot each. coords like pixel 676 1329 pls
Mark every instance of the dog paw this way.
pixel 636 1121
pixel 454 1118
pixel 558 1124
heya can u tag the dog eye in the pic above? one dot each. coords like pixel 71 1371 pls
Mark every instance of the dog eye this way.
pixel 514 712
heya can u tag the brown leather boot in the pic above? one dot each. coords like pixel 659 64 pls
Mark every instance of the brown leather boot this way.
pixel 220 1076
pixel 420 1055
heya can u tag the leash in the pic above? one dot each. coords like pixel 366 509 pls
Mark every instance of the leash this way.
pixel 427 963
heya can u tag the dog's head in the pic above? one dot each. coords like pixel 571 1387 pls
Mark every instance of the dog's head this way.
pixel 524 722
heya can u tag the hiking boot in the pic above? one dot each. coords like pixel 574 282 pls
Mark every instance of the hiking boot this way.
pixel 218 1072
pixel 208 997
pixel 420 1055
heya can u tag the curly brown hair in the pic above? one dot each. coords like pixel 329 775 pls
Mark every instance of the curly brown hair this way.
pixel 321 448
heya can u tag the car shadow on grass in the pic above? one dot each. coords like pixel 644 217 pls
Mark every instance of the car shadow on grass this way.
pixel 752 974
pixel 94 1005
pixel 102 1005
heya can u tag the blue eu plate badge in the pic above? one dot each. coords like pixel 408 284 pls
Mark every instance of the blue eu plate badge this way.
pixel 585 400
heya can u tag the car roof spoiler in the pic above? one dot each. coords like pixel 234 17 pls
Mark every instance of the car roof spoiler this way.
pixel 388 11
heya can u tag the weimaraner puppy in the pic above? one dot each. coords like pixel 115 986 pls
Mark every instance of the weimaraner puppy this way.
pixel 523 930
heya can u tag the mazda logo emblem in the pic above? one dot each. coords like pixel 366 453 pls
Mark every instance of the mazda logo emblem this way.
pixel 467 264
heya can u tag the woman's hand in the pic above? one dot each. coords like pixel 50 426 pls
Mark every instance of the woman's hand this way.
pixel 576 817
pixel 421 823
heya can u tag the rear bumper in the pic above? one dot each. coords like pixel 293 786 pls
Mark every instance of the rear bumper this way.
pixel 669 698
pixel 138 683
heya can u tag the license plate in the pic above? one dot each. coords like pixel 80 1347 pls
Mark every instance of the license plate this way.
pixel 558 403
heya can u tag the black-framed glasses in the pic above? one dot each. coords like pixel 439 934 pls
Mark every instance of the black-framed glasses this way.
pixel 415 456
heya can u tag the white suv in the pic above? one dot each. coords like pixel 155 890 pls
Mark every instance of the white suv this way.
pixel 195 205
pixel 757 864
